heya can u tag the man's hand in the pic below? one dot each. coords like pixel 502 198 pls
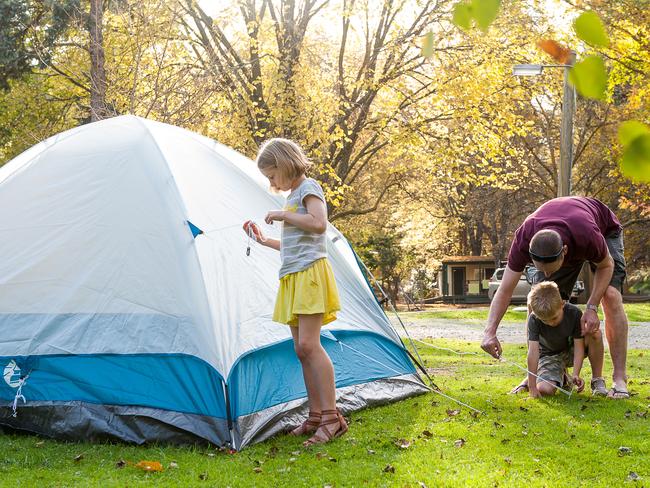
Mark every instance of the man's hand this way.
pixel 589 323
pixel 274 215
pixel 491 345
pixel 578 382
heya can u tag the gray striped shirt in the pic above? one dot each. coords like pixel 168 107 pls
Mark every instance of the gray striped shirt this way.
pixel 299 248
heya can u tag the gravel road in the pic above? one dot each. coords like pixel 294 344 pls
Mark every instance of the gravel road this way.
pixel 509 332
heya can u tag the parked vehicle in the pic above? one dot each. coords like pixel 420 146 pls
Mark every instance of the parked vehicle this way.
pixel 520 294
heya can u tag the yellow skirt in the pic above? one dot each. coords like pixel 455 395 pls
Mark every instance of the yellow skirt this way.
pixel 307 292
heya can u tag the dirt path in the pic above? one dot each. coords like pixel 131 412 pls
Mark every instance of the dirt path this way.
pixel 509 332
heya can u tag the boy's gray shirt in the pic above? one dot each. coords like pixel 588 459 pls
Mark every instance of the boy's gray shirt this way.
pixel 298 248
pixel 554 340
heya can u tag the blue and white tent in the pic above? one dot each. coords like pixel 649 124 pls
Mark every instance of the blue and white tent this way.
pixel 128 306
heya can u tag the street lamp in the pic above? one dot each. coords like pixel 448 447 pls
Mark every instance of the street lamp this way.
pixel 566 128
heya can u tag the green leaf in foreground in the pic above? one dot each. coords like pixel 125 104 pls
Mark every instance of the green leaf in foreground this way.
pixel 462 15
pixel 630 130
pixel 590 29
pixel 589 76
pixel 635 162
pixel 427 45
pixel 485 11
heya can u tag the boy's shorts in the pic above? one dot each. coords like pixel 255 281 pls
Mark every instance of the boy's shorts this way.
pixel 552 368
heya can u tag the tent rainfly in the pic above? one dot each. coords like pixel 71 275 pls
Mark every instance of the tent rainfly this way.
pixel 129 309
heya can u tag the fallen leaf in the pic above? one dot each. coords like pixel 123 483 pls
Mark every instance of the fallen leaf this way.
pixel 421 484
pixel 39 444
pixel 371 451
pixel 257 469
pixel 203 476
pixel 624 451
pixel 633 476
pixel 321 455
pixel 523 409
pixel 331 459
pixel 508 460
pixel 583 407
pixel 273 451
pixel 474 414
pixel 628 414
pixel 78 457
pixel 505 441
pixel 173 465
pixel 120 464
pixel 149 466
pixel 459 443
pixel 556 50
pixel 427 433
pixel 389 469
pixel 292 460
pixel 452 413
pixel 295 453
pixel 403 444
pixel 642 414
pixel 498 425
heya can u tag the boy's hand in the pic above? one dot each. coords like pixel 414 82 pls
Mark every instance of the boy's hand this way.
pixel 274 215
pixel 578 382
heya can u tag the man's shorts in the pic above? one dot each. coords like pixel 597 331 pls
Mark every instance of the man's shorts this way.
pixel 552 368
pixel 566 277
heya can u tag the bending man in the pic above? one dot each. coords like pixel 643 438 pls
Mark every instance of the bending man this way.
pixel 558 238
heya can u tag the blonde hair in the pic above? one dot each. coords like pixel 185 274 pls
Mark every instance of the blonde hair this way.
pixel 544 300
pixel 285 155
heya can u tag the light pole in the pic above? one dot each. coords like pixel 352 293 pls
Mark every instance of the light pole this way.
pixel 566 127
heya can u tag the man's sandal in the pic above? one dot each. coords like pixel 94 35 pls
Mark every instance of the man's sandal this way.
pixel 523 386
pixel 308 426
pixel 618 394
pixel 598 387
pixel 323 434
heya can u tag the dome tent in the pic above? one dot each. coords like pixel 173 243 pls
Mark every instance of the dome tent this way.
pixel 128 306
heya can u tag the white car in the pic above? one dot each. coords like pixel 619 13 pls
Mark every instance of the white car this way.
pixel 520 294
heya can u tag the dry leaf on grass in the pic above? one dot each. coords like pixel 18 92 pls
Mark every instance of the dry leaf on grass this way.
pixel 149 466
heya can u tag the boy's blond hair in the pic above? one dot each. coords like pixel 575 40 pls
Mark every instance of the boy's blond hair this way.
pixel 285 155
pixel 544 300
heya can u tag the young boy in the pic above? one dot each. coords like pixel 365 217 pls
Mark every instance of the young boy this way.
pixel 555 342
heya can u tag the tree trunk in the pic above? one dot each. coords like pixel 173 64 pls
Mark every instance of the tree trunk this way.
pixel 97 72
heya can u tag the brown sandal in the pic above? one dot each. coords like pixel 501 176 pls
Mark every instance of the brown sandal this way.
pixel 323 434
pixel 308 426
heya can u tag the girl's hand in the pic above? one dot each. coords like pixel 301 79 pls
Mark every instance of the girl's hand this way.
pixel 257 233
pixel 534 393
pixel 274 215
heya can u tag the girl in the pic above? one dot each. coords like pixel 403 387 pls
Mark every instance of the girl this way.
pixel 307 298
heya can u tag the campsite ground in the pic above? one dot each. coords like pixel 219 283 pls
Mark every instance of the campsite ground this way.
pixel 424 441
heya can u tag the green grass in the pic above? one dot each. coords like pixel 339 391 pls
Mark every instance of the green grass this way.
pixel 636 312
pixel 515 442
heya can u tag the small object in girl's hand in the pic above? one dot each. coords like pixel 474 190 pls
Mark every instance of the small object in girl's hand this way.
pixel 248 251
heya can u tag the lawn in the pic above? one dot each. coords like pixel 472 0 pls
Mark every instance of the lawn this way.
pixel 636 312
pixel 424 441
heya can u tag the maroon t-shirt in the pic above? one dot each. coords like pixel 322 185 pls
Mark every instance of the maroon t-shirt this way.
pixel 582 223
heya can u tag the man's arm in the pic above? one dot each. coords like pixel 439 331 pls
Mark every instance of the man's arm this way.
pixel 533 361
pixel 603 275
pixel 498 308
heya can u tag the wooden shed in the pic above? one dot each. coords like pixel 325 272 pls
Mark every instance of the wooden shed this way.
pixel 464 279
